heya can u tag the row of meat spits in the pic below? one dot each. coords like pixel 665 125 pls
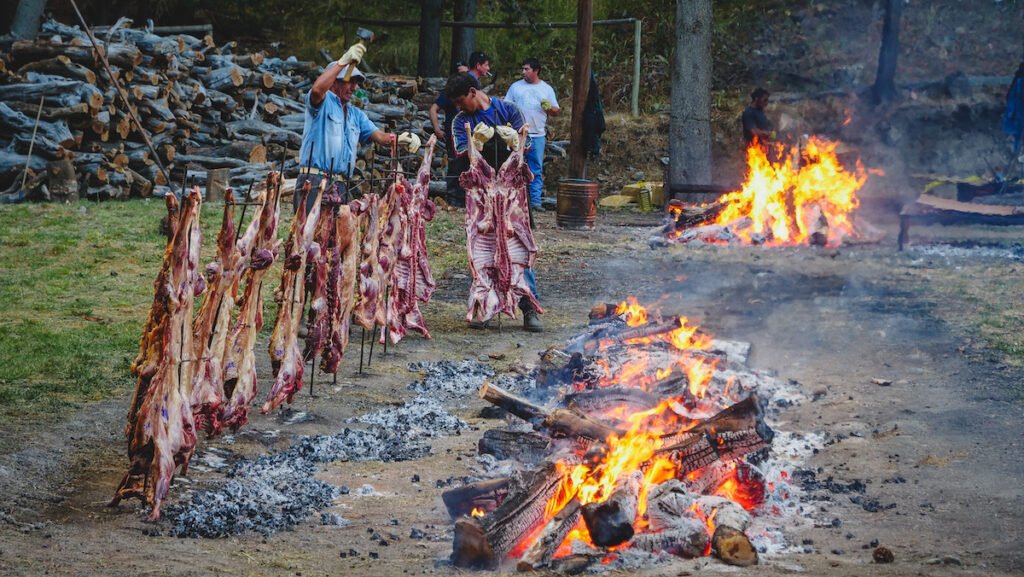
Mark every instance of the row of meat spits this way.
pixel 366 261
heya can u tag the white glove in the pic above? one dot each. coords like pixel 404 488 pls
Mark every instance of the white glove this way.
pixel 410 141
pixel 353 55
pixel 481 134
pixel 510 136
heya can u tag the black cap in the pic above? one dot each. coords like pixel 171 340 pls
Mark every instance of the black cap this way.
pixel 477 58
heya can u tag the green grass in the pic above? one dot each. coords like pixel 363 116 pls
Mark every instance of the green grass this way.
pixel 446 241
pixel 75 291
pixel 77 285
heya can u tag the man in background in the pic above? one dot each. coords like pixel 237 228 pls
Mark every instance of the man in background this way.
pixel 479 67
pixel 536 99
pixel 755 122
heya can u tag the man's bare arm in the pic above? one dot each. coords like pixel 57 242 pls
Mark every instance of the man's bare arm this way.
pixel 434 123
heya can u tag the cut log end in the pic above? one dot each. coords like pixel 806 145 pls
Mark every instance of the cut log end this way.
pixel 470 548
pixel 733 547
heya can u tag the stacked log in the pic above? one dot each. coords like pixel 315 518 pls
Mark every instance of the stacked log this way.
pixel 204 106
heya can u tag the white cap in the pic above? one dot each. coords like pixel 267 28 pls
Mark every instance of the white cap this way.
pixel 355 73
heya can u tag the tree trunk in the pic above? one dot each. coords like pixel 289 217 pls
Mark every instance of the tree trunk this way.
pixel 28 16
pixel 580 86
pixel 884 89
pixel 429 63
pixel 690 128
pixel 463 39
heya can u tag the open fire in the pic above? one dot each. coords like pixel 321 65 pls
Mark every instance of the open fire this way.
pixel 793 195
pixel 648 443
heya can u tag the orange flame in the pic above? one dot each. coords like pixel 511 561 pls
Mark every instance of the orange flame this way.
pixel 636 315
pixel 784 199
pixel 476 512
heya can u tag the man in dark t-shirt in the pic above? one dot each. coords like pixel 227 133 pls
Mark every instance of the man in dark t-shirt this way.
pixel 755 121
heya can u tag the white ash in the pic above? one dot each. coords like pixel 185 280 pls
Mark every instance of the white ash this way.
pixel 521 384
pixel 950 252
pixel 420 417
pixel 278 491
pixel 367 490
pixel 333 519
pixel 453 379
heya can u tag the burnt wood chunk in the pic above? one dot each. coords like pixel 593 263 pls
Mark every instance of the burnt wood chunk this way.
pixel 610 522
pixel 559 422
pixel 689 538
pixel 522 446
pixel 485 543
pixel 484 495
pixel 544 546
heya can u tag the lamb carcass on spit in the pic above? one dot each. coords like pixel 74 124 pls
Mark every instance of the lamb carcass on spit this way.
pixel 371 275
pixel 161 433
pixel 498 236
pixel 213 322
pixel 341 287
pixel 285 353
pixel 240 368
pixel 412 281
pixel 318 269
pixel 392 235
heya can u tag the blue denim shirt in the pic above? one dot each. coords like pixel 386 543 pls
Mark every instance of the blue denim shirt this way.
pixel 333 135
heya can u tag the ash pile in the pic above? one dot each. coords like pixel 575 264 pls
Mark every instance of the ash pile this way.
pixel 644 440
pixel 278 491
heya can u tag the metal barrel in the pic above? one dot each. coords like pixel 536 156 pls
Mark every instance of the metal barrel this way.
pixel 577 204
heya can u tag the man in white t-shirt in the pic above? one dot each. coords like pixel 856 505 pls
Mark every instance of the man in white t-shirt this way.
pixel 536 99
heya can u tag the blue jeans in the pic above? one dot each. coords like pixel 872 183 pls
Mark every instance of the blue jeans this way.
pixel 531 279
pixel 535 160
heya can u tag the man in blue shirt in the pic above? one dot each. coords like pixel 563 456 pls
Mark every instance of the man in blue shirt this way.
pixel 479 67
pixel 334 128
pixel 477 108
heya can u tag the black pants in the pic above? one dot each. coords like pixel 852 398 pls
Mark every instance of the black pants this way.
pixel 314 182
pixel 456 195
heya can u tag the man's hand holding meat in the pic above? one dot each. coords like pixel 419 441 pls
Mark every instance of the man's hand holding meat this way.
pixel 509 135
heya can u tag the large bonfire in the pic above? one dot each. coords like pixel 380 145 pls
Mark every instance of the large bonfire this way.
pixel 792 195
pixel 649 453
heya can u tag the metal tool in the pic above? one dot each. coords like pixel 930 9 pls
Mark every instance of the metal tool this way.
pixel 365 38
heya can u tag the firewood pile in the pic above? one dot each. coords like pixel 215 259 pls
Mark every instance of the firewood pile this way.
pixel 644 436
pixel 217 112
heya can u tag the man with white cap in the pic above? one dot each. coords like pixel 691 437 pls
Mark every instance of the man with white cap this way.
pixel 334 128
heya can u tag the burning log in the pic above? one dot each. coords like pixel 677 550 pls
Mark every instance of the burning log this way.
pixel 743 431
pixel 572 565
pixel 539 553
pixel 688 539
pixel 610 522
pixel 483 496
pixel 559 422
pixel 522 446
pixel 688 216
pixel 626 399
pixel 484 543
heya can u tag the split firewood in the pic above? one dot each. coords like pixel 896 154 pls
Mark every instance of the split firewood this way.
pixel 560 422
pixel 544 546
pixel 733 547
pixel 485 543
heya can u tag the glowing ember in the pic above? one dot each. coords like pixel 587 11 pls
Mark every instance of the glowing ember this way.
pixel 476 512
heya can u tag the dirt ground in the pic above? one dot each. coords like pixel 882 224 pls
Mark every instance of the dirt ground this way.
pixel 942 443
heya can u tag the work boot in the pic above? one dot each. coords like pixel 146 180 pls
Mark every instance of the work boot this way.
pixel 531 321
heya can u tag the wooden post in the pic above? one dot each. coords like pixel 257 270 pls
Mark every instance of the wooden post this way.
pixel 580 85
pixel 217 183
pixel 635 97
